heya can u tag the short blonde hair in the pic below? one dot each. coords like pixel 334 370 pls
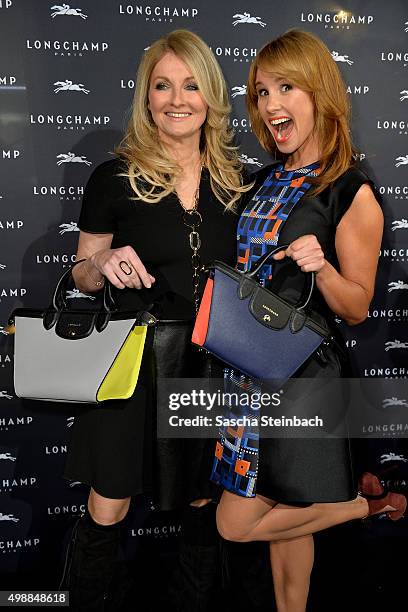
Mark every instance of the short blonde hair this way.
pixel 151 171
pixel 303 59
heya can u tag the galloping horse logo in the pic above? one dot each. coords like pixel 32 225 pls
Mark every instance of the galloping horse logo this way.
pixel 8 517
pixel 75 293
pixel 342 58
pixel 246 18
pixel 3 266
pixel 401 224
pixel 65 9
pixel 395 344
pixel 404 95
pixel 250 160
pixel 8 456
pixel 394 401
pixel 70 86
pixel 5 395
pixel 69 227
pixel 392 457
pixel 65 158
pixel 402 160
pixel 406 29
pixel 239 90
pixel 3 331
pixel 395 285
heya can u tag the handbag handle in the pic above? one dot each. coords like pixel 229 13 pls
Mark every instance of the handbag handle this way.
pixel 262 261
pixel 58 304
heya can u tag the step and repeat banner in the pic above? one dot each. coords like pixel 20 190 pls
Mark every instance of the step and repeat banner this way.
pixel 67 75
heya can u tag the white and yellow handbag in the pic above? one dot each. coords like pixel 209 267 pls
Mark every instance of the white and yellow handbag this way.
pixel 65 354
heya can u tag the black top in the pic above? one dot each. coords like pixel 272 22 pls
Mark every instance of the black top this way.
pixel 318 215
pixel 159 237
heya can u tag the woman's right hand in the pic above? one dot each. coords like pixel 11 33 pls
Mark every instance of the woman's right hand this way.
pixel 107 262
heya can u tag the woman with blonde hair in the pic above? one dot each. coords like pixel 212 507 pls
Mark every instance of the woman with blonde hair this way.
pixel 150 218
pixel 320 204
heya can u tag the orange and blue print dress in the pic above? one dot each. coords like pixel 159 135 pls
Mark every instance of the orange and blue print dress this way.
pixel 235 465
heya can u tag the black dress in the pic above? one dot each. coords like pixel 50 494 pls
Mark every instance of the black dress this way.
pixel 295 470
pixel 114 447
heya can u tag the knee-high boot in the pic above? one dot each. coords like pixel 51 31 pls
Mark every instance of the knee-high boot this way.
pixel 90 564
pixel 198 576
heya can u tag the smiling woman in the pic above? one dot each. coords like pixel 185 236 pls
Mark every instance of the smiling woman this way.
pixel 150 218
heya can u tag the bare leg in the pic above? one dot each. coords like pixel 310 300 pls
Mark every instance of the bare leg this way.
pixel 258 518
pixel 292 563
pixel 106 511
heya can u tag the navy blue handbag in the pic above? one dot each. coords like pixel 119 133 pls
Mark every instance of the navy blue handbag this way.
pixel 254 330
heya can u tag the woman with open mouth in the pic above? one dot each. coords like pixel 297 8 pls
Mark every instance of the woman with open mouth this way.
pixel 317 201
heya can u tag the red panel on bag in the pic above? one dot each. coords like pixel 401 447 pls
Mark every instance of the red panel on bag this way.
pixel 203 316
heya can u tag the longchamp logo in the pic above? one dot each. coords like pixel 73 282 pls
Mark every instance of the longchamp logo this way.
pixel 163 531
pixel 238 54
pixel 358 89
pixel 5 395
pixel 70 421
pixel 8 546
pixel 252 161
pixel 10 154
pixel 403 95
pixel 75 293
pixel 71 158
pixel 7 423
pixel 7 457
pixel 239 18
pixel 238 90
pixel 129 84
pixel 3 331
pixel 338 57
pixel 65 192
pixel 386 457
pixel 5 360
pixel 341 20
pixel 158 13
pixel 397 285
pixel 66 10
pixel 388 402
pixel 3 266
pixel 395 344
pixel 351 343
pixel 406 26
pixel 70 122
pixel 400 192
pixel 68 48
pixel 240 124
pixel 68 227
pixel 74 510
pixel 395 56
pixel 9 517
pixel 12 293
pixel 386 372
pixel 8 80
pixel 7 485
pixel 55 258
pixel 11 224
pixel 402 160
pixel 399 224
pixel 393 124
pixel 6 4
pixel 68 85
pixel 56 450
pixel 359 156
pixel 396 315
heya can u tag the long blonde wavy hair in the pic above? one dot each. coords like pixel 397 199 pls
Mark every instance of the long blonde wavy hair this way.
pixel 305 61
pixel 151 171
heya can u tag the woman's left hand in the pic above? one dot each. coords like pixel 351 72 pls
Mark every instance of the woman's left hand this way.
pixel 306 252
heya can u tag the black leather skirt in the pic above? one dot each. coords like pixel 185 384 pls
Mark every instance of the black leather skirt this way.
pixel 114 447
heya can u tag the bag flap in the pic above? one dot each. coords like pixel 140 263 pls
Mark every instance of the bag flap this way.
pixel 75 325
pixel 269 310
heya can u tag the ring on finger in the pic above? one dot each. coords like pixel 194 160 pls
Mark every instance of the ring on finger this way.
pixel 129 270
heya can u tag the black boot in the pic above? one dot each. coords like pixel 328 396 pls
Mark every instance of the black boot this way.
pixel 90 564
pixel 198 576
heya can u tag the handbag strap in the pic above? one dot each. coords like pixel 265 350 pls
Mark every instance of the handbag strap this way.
pixel 262 260
pixel 59 304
